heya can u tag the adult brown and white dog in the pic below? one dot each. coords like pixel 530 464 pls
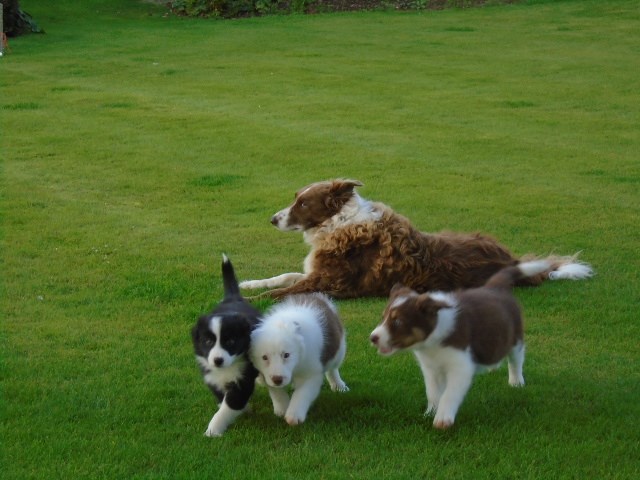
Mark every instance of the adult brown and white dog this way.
pixel 455 335
pixel 361 248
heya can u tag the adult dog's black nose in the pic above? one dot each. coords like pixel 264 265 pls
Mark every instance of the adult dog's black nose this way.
pixel 218 361
pixel 274 220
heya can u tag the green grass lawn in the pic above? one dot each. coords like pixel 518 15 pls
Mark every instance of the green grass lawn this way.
pixel 136 148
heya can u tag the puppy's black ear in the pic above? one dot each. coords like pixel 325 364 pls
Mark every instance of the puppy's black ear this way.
pixel 246 325
pixel 195 331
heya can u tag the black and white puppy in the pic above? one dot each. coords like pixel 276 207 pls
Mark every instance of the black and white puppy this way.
pixel 221 342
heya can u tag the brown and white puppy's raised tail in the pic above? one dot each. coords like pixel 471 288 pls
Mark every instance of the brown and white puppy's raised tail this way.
pixel 510 276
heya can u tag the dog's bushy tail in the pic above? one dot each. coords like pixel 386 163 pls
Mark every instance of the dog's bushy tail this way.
pixel 560 268
pixel 229 280
pixel 568 268
pixel 510 276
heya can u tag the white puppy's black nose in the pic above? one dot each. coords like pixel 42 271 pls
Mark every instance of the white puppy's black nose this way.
pixel 274 219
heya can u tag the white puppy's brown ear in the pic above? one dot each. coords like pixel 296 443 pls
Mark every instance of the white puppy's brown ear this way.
pixel 299 339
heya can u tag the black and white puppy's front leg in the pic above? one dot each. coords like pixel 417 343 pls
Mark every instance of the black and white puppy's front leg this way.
pixel 232 404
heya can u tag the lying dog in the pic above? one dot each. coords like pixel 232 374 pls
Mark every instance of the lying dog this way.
pixel 221 342
pixel 361 249
pixel 297 342
pixel 455 335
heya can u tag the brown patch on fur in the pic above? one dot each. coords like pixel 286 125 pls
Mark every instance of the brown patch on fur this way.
pixel 410 322
pixel 366 259
pixel 320 201
pixel 488 321
pixel 330 323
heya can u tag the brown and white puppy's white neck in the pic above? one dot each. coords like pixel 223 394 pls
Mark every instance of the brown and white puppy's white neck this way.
pixel 325 206
pixel 414 321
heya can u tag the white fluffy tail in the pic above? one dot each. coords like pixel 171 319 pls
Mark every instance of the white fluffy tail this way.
pixel 558 267
pixel 572 271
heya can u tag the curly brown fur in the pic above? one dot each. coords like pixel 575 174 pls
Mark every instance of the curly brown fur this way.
pixel 361 249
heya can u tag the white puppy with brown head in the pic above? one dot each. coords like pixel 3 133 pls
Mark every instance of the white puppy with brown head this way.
pixel 454 335
pixel 298 343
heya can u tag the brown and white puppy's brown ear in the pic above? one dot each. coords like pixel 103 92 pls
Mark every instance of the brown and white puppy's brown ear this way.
pixel 415 319
pixel 429 306
pixel 401 293
pixel 340 193
pixel 396 289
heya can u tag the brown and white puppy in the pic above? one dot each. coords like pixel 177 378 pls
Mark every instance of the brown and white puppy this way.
pixel 299 341
pixel 361 249
pixel 455 335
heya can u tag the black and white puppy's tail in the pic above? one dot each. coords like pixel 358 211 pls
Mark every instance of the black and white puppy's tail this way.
pixel 510 276
pixel 229 280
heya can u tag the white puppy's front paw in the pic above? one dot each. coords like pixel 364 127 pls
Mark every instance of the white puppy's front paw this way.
pixel 296 416
pixel 294 420
pixel 340 387
pixel 213 432
pixel 279 410
pixel 430 411
pixel 442 422
pixel 280 406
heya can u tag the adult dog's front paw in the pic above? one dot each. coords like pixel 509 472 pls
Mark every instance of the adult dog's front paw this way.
pixel 250 284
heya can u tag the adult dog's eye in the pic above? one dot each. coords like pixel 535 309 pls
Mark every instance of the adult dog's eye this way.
pixel 209 342
pixel 285 355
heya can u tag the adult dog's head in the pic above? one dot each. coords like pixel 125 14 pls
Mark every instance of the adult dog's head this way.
pixel 317 203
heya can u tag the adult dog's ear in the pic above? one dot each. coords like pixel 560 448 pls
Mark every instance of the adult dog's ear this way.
pixel 341 186
pixel 340 192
